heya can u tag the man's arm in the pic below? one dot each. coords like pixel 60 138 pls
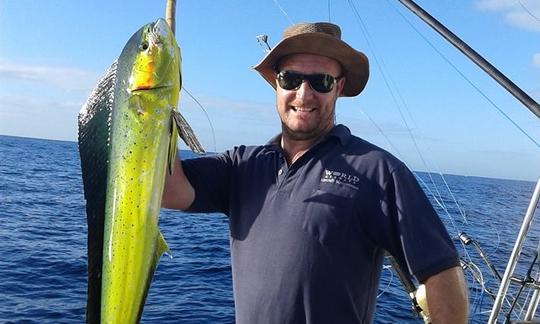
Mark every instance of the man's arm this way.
pixel 447 297
pixel 178 193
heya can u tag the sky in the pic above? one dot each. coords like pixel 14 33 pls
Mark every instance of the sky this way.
pixel 425 102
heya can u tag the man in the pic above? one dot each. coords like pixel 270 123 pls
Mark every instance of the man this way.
pixel 313 211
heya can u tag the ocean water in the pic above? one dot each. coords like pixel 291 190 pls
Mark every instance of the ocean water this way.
pixel 43 244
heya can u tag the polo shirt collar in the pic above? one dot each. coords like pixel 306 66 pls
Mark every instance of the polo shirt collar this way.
pixel 342 133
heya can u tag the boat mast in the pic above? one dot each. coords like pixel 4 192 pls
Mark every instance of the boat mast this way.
pixel 510 86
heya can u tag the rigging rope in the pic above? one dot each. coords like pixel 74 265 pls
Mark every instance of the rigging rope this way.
pixel 528 11
pixel 437 195
pixel 493 104
pixel 283 11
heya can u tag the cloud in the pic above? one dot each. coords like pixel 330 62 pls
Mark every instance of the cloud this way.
pixel 536 64
pixel 62 78
pixel 38 116
pixel 536 60
pixel 520 13
pixel 32 104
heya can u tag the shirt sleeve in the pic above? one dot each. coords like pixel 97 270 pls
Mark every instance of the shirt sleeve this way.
pixel 420 242
pixel 210 177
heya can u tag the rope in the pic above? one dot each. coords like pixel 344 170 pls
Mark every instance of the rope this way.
pixel 493 104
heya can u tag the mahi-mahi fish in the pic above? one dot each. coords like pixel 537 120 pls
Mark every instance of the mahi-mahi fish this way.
pixel 128 131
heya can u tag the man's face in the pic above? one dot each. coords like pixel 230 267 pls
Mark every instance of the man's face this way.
pixel 305 113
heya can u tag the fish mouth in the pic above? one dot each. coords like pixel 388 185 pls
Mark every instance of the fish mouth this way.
pixel 148 88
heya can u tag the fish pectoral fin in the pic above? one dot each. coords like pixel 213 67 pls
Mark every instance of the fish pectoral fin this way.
pixel 162 246
pixel 186 133
pixel 173 136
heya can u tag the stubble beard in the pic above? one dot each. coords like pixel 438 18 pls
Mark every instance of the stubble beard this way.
pixel 314 134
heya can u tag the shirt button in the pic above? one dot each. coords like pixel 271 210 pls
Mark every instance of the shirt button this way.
pixel 280 171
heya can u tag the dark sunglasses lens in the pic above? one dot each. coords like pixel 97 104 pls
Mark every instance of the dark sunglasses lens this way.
pixel 289 80
pixel 323 83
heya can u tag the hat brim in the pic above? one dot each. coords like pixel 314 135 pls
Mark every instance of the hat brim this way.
pixel 354 63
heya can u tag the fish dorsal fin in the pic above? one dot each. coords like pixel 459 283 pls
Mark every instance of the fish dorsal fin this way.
pixel 94 134
pixel 186 133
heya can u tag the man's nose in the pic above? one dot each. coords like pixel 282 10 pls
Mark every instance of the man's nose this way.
pixel 304 91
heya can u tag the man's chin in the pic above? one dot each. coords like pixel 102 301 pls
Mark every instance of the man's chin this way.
pixel 302 133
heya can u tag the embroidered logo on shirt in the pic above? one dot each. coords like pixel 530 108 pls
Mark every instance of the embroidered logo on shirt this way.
pixel 340 177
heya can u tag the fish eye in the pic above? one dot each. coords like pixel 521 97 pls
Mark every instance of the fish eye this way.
pixel 144 46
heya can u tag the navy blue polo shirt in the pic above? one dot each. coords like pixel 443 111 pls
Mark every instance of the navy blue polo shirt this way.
pixel 308 239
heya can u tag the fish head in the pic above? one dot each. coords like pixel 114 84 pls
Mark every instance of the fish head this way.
pixel 156 60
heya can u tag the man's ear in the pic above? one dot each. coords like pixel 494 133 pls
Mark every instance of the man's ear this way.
pixel 341 86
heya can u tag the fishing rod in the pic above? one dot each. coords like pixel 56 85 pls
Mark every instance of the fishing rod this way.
pixel 170 14
pixel 530 104
pixel 417 294
pixel 467 240
pixel 492 71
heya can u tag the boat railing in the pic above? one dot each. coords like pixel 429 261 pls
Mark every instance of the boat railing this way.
pixel 511 265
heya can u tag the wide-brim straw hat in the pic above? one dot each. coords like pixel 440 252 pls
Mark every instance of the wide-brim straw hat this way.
pixel 320 38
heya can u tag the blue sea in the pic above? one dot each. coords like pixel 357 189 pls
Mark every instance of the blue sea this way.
pixel 43 243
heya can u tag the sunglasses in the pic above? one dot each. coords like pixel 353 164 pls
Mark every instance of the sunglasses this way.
pixel 320 82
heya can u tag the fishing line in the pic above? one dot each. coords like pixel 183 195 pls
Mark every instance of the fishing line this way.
pixel 283 11
pixel 400 156
pixel 383 291
pixel 205 113
pixel 329 20
pixel 476 88
pixel 525 302
pixel 438 196
pixel 446 185
pixel 390 89
pixel 439 200
pixel 425 185
pixel 528 298
pixel 476 272
pixel 493 104
pixel 394 148
pixel 528 11
pixel 430 152
pixel 477 279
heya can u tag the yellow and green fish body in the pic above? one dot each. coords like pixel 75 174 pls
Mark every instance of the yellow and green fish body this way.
pixel 127 142
pixel 140 141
